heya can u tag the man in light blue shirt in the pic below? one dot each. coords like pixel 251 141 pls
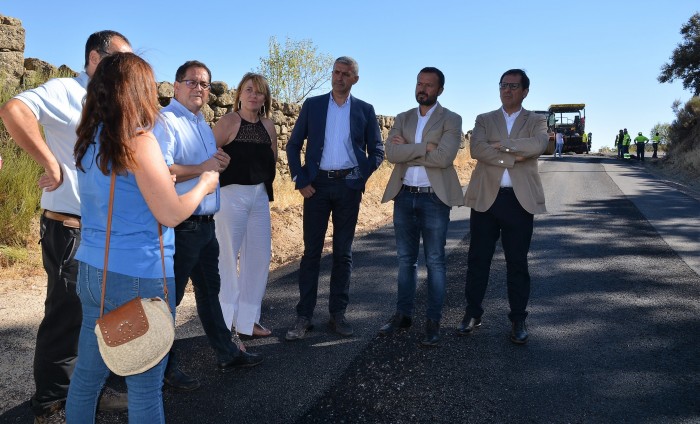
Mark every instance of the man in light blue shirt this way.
pixel 189 148
pixel 343 147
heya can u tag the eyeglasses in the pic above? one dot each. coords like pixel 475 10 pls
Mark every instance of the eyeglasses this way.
pixel 192 84
pixel 512 85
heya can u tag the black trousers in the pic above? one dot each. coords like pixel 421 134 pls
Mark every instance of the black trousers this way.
pixel 506 219
pixel 57 338
pixel 640 151
pixel 197 258
pixel 333 199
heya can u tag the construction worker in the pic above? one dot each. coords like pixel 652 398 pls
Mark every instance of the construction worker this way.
pixel 584 139
pixel 655 144
pixel 626 140
pixel 618 143
pixel 641 143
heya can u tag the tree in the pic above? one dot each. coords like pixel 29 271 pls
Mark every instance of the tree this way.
pixel 685 60
pixel 662 129
pixel 295 70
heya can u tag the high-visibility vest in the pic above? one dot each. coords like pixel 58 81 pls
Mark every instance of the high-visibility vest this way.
pixel 626 139
pixel 640 139
pixel 655 139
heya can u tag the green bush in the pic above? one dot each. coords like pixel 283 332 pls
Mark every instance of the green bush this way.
pixel 685 130
pixel 20 195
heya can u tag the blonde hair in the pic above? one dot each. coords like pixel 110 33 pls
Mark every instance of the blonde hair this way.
pixel 260 84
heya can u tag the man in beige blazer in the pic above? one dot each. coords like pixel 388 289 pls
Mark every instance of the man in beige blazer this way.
pixel 504 192
pixel 422 145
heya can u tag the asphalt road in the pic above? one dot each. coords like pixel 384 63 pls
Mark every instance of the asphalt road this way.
pixel 614 326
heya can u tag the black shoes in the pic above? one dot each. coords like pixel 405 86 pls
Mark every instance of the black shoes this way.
pixel 54 414
pixel 397 322
pixel 301 327
pixel 242 360
pixel 432 333
pixel 468 325
pixel 178 380
pixel 518 334
pixel 338 324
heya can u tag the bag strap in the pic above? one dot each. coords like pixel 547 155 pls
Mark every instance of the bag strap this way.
pixel 112 181
pixel 107 236
pixel 162 263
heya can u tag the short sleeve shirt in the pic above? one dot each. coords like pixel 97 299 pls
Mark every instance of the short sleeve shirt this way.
pixel 187 139
pixel 57 105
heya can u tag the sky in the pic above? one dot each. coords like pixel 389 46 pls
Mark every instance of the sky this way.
pixel 606 54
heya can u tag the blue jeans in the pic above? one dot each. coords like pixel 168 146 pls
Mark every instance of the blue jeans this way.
pixel 333 198
pixel 559 149
pixel 419 215
pixel 145 389
pixel 197 258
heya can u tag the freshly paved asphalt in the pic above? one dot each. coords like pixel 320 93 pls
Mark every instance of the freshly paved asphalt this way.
pixel 614 326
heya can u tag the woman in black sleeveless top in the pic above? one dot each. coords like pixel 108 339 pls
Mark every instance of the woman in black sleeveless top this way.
pixel 248 136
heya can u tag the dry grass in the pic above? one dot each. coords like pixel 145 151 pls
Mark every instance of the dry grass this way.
pixel 20 264
pixel 286 211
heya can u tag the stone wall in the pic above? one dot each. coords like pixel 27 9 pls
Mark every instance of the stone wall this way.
pixel 11 50
pixel 16 69
pixel 284 115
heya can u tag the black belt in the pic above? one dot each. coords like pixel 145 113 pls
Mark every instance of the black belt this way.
pixel 340 173
pixel 413 189
pixel 201 218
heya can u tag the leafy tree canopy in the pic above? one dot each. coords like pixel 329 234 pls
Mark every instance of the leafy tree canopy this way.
pixel 295 70
pixel 685 61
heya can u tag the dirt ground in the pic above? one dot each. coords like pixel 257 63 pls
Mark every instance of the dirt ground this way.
pixel 22 285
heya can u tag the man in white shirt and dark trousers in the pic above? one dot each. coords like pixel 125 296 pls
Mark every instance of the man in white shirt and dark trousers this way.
pixel 423 144
pixel 504 193
pixel 57 105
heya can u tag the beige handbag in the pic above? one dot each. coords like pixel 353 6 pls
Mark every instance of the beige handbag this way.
pixel 134 337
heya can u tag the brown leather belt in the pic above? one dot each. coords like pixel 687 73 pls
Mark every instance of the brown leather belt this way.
pixel 67 220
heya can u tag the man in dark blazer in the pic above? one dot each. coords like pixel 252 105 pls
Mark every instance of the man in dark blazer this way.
pixel 343 148
pixel 504 192
pixel 424 186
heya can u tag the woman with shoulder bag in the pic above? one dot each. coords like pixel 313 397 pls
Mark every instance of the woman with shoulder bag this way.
pixel 114 135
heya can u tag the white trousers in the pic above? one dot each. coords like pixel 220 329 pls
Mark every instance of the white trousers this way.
pixel 245 248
